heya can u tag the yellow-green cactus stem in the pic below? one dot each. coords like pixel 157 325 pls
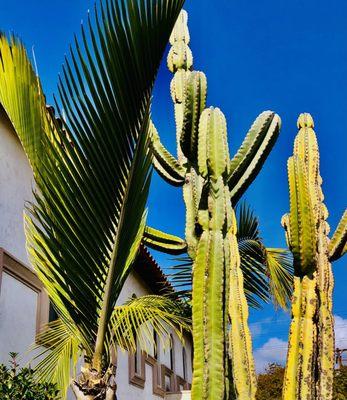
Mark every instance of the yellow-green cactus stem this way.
pixel 194 104
pixel 211 184
pixel 310 359
pixel 162 241
pixel 239 337
pixel 254 150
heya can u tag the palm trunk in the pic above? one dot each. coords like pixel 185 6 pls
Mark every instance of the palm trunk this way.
pixel 109 394
pixel 91 386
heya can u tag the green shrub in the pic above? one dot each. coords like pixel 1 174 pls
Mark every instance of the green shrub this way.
pixel 19 384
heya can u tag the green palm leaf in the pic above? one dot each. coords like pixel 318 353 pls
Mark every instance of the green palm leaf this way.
pixel 92 170
pixel 22 98
pixel 62 350
pixel 133 322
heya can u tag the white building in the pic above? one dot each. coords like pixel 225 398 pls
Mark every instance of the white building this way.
pixel 24 305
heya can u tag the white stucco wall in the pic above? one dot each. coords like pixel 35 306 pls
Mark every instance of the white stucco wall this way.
pixel 16 182
pixel 17 318
pixel 18 303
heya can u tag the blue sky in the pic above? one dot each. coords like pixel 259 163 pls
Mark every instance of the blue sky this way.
pixel 288 56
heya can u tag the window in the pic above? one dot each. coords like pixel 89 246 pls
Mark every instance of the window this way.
pixel 172 353
pixel 53 315
pixel 156 353
pixel 138 356
pixel 184 361
pixel 156 343
pixel 20 273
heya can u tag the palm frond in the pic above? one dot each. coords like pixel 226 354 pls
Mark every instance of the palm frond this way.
pixel 22 98
pixel 90 205
pixel 181 277
pixel 268 272
pixel 280 272
pixel 85 227
pixel 62 350
pixel 134 322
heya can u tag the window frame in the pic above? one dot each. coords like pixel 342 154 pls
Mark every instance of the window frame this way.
pixel 10 265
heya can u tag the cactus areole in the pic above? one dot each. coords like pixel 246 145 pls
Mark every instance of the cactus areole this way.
pixel 310 360
pixel 212 183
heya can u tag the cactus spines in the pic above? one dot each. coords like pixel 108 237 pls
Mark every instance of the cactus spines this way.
pixel 310 359
pixel 211 184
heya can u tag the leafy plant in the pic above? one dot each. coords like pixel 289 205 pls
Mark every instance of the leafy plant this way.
pixel 340 384
pixel 20 384
pixel 270 383
pixel 310 361
pixel 92 168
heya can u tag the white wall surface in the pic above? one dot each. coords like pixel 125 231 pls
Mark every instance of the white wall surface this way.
pixel 17 318
pixel 16 182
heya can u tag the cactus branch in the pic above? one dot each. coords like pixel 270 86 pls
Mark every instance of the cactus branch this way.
pixel 246 164
pixel 165 164
pixel 194 104
pixel 301 219
pixel 164 242
pixel 337 245
pixel 240 343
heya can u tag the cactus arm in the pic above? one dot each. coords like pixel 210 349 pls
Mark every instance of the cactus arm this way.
pixel 217 144
pixel 338 242
pixel 165 164
pixel 202 148
pixel 180 55
pixel 298 379
pixel 164 242
pixel 301 219
pixel 251 158
pixel 194 104
pixel 290 384
pixel 192 194
pixel 240 343
pixel 162 172
pixel 198 316
pixel 249 146
pixel 214 331
pixel 308 334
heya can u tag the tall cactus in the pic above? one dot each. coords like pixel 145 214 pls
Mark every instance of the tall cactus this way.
pixel 310 360
pixel 212 183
